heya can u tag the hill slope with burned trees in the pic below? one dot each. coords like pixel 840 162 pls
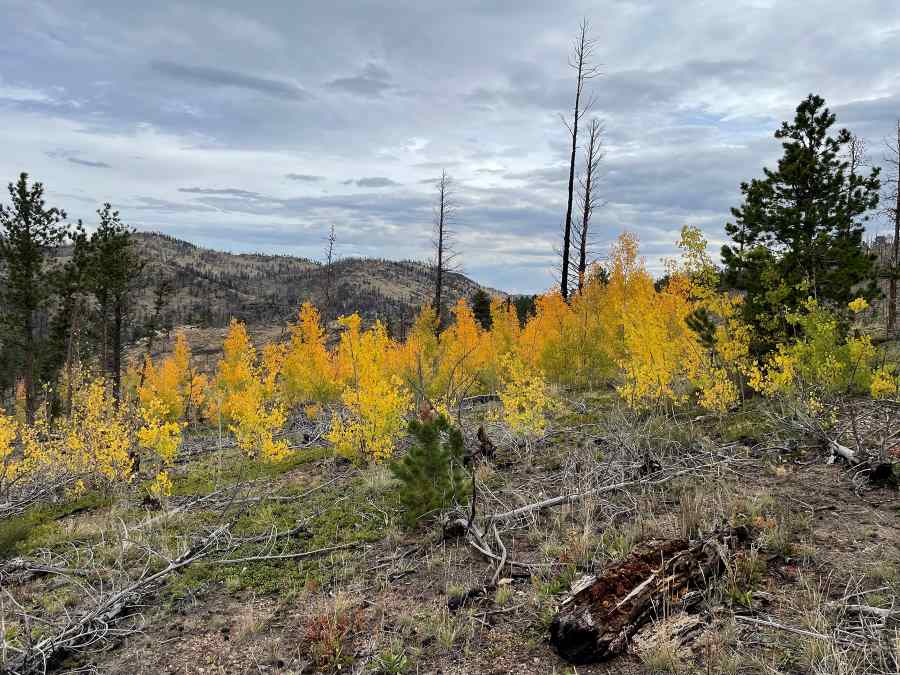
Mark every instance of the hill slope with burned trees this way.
pixel 208 287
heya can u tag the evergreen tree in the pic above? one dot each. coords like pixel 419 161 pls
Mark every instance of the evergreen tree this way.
pixel 525 307
pixel 481 308
pixel 67 322
pixel 431 473
pixel 799 231
pixel 113 269
pixel 28 230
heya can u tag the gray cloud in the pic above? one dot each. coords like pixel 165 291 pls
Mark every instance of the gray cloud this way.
pixel 88 162
pixel 228 192
pixel 219 77
pixel 372 182
pixel 371 82
pixel 165 206
pixel 304 177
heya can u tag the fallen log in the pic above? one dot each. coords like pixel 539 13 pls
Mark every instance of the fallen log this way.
pixel 605 610
pixel 844 452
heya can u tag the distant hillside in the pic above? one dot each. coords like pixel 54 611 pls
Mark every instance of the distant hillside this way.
pixel 210 287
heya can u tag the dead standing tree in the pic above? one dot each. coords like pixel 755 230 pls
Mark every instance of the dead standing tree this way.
pixel 328 278
pixel 892 211
pixel 444 240
pixel 580 61
pixel 589 196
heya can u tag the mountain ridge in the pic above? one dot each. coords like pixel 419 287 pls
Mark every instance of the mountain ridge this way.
pixel 210 287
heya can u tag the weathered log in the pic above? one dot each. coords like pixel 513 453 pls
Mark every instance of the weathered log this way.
pixel 844 452
pixel 604 611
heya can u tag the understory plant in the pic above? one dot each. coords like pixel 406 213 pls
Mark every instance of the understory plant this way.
pixel 431 474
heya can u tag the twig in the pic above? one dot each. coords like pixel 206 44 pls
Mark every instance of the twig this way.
pixel 790 629
pixel 281 556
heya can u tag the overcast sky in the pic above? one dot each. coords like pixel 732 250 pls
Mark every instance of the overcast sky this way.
pixel 253 126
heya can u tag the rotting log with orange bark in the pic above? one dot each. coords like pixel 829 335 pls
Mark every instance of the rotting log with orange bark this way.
pixel 603 611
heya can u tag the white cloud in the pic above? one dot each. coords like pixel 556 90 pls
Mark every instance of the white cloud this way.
pixel 343 112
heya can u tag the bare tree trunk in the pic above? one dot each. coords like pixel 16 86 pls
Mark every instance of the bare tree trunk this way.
pixel 439 271
pixel 895 259
pixel 28 375
pixel 329 276
pixel 118 312
pixel 588 199
pixel 580 61
pixel 444 254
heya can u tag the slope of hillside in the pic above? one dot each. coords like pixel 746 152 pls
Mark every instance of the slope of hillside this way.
pixel 210 287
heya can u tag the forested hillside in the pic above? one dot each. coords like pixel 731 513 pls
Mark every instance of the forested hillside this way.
pixel 209 288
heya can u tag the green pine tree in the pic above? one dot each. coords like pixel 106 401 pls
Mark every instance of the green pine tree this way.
pixel 431 474
pixel 481 308
pixel 72 304
pixel 28 232
pixel 113 269
pixel 799 231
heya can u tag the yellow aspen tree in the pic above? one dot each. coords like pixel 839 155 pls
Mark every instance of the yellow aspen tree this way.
pixel 543 342
pixel 376 400
pixel 308 374
pixel 422 356
pixel 589 337
pixel 717 349
pixel 525 397
pixel 244 395
pixel 465 353
pixel 157 434
pixel 821 359
pixel 503 338
pixel 173 384
pixel 97 433
pixel 9 464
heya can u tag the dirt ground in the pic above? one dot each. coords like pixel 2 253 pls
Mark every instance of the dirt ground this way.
pixel 397 600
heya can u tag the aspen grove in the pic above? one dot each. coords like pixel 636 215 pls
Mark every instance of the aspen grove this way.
pixel 624 332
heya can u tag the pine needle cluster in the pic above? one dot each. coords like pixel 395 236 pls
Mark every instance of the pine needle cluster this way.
pixel 431 474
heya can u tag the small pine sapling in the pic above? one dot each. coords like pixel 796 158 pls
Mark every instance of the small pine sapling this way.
pixel 431 474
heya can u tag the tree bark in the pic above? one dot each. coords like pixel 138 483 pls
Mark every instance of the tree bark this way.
pixel 895 262
pixel 580 62
pixel 590 164
pixel 118 310
pixel 28 374
pixel 567 227
pixel 598 619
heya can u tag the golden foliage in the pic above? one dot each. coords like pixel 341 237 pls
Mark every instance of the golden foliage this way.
pixel 243 395
pixel 308 374
pixel 376 399
pixel 172 385
pixel 95 437
pixel 821 358
pixel 525 397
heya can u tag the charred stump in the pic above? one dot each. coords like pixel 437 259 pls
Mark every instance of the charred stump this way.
pixel 604 611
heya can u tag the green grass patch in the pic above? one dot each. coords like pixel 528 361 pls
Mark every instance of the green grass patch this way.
pixel 39 527
pixel 232 467
pixel 335 516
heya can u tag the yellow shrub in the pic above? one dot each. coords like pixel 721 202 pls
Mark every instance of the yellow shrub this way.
pixel 172 384
pixel 244 395
pixel 525 397
pixel 161 486
pixel 376 400
pixel 158 435
pixel 9 464
pixel 97 434
pixel 307 372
